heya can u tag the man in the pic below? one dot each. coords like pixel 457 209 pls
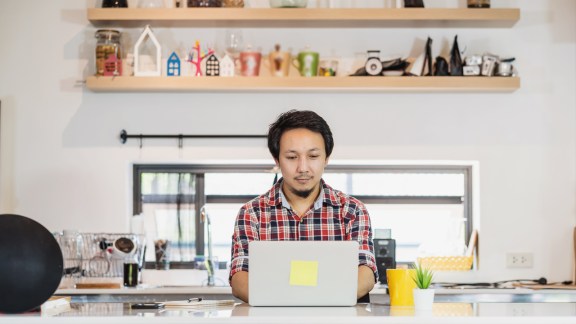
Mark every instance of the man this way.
pixel 300 206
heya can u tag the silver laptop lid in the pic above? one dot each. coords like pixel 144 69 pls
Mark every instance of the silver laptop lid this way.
pixel 303 273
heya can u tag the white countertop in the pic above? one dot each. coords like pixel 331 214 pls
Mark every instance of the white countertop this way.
pixel 226 290
pixel 494 313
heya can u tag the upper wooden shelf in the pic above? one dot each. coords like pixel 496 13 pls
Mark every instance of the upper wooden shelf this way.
pixel 302 84
pixel 306 17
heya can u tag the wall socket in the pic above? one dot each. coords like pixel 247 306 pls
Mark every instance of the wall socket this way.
pixel 519 260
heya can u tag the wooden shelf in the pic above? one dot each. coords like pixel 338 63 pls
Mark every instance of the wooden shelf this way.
pixel 301 84
pixel 309 17
pixel 302 18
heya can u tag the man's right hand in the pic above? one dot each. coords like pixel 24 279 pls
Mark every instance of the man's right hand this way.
pixel 239 285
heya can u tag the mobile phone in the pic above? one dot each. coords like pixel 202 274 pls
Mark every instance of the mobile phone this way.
pixel 147 306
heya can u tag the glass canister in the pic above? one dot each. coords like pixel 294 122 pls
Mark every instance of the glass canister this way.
pixel 72 245
pixel 288 3
pixel 108 53
pixel 233 3
pixel 478 3
pixel 205 3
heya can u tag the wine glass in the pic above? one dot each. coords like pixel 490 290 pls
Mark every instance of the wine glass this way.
pixel 234 44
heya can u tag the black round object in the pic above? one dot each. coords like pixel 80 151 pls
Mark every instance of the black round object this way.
pixel 31 264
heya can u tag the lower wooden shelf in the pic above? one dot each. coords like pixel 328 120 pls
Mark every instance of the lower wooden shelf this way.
pixel 302 84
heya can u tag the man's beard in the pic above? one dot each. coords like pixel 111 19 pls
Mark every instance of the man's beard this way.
pixel 302 193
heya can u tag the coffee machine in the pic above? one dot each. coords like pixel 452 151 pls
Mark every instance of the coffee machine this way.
pixel 385 252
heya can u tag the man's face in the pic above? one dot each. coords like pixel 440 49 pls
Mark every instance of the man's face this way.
pixel 302 160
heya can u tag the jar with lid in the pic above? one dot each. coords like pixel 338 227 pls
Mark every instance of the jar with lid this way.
pixel 108 53
pixel 205 3
pixel 288 3
pixel 115 4
pixel 233 3
pixel 478 3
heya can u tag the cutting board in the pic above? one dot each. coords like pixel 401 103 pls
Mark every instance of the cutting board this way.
pixel 97 285
pixel 538 287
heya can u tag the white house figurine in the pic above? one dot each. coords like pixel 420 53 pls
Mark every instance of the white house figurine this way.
pixel 227 66
pixel 147 65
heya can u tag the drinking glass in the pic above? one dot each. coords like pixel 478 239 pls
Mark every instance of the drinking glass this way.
pixel 234 44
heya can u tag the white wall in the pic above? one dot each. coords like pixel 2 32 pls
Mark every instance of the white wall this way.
pixel 63 165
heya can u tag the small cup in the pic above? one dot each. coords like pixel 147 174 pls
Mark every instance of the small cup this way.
pixel 401 286
pixel 505 69
pixel 307 63
pixel 250 63
pixel 328 67
pixel 279 62
pixel 130 274
pixel 162 256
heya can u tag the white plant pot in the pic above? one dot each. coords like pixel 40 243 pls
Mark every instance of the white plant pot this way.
pixel 423 299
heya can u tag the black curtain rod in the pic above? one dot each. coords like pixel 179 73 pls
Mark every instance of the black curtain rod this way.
pixel 124 136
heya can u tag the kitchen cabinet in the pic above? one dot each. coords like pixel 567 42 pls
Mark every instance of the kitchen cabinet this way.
pixel 309 17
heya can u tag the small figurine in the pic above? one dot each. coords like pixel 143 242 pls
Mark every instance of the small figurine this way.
pixel 212 66
pixel 227 66
pixel 145 65
pixel 196 56
pixel 173 65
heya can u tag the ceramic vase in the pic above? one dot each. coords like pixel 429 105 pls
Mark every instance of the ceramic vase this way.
pixel 423 299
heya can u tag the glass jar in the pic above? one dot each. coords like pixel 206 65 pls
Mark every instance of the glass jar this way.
pixel 205 3
pixel 233 3
pixel 288 3
pixel 478 3
pixel 150 4
pixel 108 45
pixel 71 246
pixel 114 4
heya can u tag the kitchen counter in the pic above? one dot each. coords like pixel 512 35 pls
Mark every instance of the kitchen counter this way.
pixel 377 295
pixel 494 313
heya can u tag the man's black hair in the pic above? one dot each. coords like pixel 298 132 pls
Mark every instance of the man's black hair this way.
pixel 294 119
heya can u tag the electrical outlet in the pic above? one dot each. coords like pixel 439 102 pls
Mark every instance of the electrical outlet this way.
pixel 519 260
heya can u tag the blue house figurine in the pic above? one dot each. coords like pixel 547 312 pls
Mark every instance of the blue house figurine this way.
pixel 173 65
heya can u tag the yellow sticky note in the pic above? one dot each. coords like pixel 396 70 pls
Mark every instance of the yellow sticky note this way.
pixel 304 273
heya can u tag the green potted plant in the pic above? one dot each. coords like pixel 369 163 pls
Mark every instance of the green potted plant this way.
pixel 423 294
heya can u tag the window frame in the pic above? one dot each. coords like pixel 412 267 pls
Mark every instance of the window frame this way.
pixel 199 170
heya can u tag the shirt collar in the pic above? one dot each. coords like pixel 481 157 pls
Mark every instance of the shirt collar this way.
pixel 330 196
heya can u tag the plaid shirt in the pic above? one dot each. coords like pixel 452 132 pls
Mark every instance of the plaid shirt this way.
pixel 334 217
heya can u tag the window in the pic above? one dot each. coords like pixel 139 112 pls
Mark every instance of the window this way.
pixel 428 207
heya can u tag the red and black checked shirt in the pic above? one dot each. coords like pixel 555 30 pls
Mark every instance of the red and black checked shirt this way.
pixel 335 216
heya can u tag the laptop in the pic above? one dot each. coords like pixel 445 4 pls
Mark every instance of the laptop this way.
pixel 303 273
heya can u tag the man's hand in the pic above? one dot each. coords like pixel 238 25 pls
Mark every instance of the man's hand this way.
pixel 366 281
pixel 239 285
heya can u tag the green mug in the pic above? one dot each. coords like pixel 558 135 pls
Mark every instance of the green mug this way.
pixel 307 63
